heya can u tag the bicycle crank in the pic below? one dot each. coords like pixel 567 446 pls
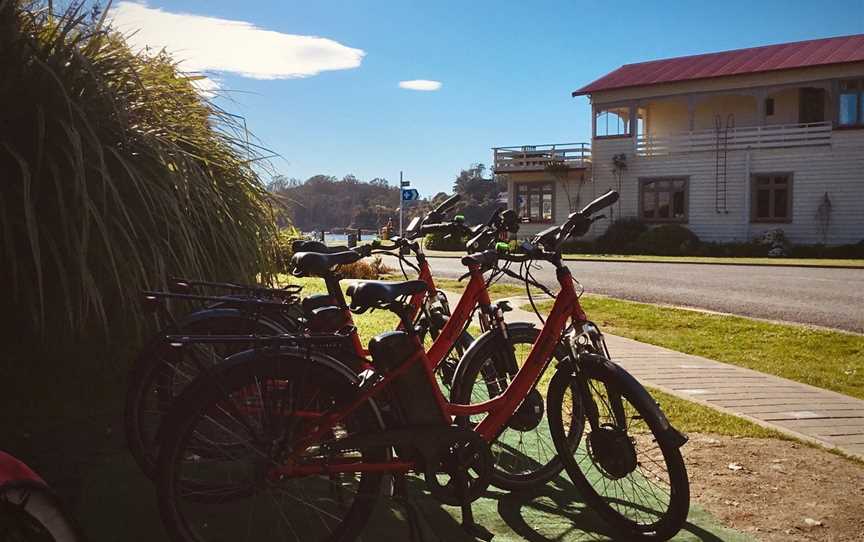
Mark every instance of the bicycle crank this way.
pixel 459 470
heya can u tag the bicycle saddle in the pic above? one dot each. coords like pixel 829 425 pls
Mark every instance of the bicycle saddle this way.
pixel 369 294
pixel 304 245
pixel 487 258
pixel 313 263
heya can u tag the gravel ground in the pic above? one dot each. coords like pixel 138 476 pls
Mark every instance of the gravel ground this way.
pixel 777 491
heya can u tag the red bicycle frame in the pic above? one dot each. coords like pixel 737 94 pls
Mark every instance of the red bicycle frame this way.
pixel 475 294
pixel 498 410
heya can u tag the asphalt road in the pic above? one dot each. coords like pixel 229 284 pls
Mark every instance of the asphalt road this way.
pixel 824 297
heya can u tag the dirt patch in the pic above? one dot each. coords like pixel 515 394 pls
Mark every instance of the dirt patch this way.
pixel 777 490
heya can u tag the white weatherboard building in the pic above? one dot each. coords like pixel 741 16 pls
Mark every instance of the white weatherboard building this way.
pixel 728 144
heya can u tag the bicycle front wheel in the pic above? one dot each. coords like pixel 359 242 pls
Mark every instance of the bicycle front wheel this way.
pixel 524 453
pixel 627 468
pixel 31 513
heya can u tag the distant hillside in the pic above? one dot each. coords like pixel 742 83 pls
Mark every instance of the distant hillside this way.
pixel 325 203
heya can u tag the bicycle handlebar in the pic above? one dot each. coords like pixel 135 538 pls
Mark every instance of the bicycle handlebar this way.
pixel 605 200
pixel 447 204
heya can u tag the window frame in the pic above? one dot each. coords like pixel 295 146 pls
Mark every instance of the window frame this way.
pixel 597 110
pixel 659 220
pixel 858 92
pixel 537 187
pixel 790 178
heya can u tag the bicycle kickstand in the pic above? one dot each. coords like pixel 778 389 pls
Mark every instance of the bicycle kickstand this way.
pixel 468 524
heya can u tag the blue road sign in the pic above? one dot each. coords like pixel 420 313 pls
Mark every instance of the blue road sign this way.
pixel 410 194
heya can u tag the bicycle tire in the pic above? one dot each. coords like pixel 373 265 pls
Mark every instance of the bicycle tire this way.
pixel 510 472
pixel 32 513
pixel 151 366
pixel 237 374
pixel 586 468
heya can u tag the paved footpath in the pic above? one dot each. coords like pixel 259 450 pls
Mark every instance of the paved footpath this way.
pixel 806 412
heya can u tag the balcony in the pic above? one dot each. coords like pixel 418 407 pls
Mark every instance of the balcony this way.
pixel 541 157
pixel 746 137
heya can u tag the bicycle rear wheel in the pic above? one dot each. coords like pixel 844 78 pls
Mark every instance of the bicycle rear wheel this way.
pixel 627 467
pixel 215 479
pixel 161 372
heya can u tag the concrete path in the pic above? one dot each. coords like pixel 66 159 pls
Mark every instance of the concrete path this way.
pixel 806 412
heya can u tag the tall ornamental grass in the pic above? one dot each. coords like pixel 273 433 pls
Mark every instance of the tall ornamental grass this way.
pixel 114 173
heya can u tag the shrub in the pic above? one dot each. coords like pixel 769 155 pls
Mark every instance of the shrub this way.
pixel 621 236
pixel 369 269
pixel 578 246
pixel 668 240
pixel 741 250
pixel 284 239
pixel 776 242
pixel 438 241
pixel 855 250
pixel 116 174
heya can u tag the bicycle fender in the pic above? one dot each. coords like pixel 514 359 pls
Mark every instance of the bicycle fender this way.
pixel 597 366
pixel 479 343
pixel 13 470
pixel 224 312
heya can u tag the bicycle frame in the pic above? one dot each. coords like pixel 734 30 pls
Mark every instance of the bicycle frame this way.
pixel 475 294
pixel 498 410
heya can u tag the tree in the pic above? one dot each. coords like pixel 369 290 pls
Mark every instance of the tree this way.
pixel 479 193
pixel 324 202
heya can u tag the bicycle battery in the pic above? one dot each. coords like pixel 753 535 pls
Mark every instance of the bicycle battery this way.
pixel 412 394
pixel 328 319
pixel 316 301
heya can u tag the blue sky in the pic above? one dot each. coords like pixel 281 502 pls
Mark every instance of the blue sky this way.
pixel 506 70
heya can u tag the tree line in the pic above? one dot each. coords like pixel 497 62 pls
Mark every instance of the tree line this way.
pixel 324 202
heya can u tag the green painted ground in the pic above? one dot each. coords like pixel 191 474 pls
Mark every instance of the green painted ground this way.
pixel 119 505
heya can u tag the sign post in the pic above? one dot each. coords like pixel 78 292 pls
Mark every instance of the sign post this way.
pixel 405 194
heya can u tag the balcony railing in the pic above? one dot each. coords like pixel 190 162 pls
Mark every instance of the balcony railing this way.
pixel 538 157
pixel 747 137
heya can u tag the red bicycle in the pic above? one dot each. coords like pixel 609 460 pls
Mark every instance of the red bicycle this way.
pixel 195 344
pixel 29 510
pixel 305 455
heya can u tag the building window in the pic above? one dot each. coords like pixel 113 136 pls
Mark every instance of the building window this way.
pixel 769 106
pixel 535 202
pixel 850 111
pixel 612 122
pixel 772 197
pixel 663 200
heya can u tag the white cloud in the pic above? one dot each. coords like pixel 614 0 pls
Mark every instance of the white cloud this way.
pixel 209 44
pixel 420 84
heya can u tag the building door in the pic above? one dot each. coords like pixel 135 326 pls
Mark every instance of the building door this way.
pixel 811 105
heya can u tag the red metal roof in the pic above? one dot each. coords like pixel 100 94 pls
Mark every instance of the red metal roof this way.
pixel 783 56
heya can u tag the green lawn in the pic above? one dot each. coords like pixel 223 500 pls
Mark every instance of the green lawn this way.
pixel 827 359
pixel 686 415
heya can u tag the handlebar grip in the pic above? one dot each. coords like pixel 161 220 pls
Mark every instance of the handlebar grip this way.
pixel 600 203
pixel 447 204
